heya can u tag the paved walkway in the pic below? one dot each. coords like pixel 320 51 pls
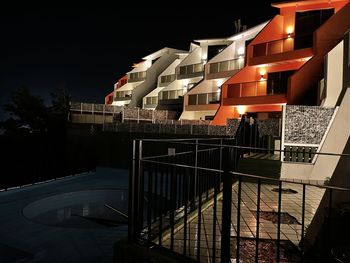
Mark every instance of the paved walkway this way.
pixel 80 240
pixel 291 204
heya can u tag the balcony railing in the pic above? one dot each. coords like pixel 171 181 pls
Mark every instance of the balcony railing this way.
pixel 123 95
pixel 166 79
pixel 273 47
pixel 256 88
pixel 204 98
pixel 247 89
pixel 151 102
pixel 226 65
pixel 137 76
pixel 171 94
pixel 190 71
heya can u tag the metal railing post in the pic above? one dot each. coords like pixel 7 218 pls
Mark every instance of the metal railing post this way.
pixel 302 242
pixel 226 208
pixel 140 189
pixel 257 222
pixel 133 186
pixel 279 220
pixel 195 171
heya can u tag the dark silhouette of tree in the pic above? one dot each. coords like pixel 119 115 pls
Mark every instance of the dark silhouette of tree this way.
pixel 27 112
pixel 60 101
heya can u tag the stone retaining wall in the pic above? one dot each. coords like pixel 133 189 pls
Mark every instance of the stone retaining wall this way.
pixel 306 124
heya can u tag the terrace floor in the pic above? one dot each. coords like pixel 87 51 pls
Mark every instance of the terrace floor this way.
pixel 290 226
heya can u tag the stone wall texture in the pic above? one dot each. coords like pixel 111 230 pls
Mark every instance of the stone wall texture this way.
pixel 232 125
pixel 161 128
pixel 269 127
pixel 306 124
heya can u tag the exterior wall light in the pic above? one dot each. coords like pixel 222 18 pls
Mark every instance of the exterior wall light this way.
pixel 262 74
pixel 241 110
pixel 289 31
pixel 240 51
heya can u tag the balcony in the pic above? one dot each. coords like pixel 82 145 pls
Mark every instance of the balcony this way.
pixel 165 80
pixel 204 98
pixel 171 99
pixel 171 94
pixel 137 76
pixel 256 92
pixel 123 95
pixel 150 102
pixel 273 47
pixel 225 68
pixel 190 71
pixel 226 65
pixel 277 50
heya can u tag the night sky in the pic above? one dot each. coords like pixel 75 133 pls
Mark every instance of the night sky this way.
pixel 87 49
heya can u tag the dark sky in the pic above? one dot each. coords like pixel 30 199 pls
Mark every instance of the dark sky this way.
pixel 87 49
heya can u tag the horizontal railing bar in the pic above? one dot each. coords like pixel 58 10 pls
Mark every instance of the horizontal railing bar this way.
pixel 249 175
pixel 176 154
pixel 266 149
pixel 184 139
pixel 286 181
pixel 184 166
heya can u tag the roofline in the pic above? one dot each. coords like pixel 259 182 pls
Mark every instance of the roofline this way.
pixel 302 3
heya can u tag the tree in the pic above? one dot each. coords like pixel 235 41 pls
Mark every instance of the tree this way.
pixel 61 101
pixel 27 111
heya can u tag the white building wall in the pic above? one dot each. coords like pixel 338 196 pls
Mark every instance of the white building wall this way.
pixel 335 142
pixel 334 73
pixel 227 54
pixel 193 58
pixel 142 66
pixel 152 77
pixel 170 70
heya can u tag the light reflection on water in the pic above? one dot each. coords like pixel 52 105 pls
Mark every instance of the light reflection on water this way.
pixel 82 209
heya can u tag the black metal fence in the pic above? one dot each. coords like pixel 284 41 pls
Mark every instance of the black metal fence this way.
pixel 186 195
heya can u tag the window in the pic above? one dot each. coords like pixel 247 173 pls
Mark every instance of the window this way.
pixel 167 78
pixel 214 68
pixel 225 66
pixel 198 67
pixel 137 76
pixel 190 69
pixel 202 99
pixel 151 100
pixel 277 82
pixel 306 23
pixel 123 94
pixel 192 99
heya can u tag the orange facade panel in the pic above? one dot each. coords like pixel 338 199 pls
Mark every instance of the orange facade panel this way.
pixel 294 55
pixel 109 98
pixel 271 99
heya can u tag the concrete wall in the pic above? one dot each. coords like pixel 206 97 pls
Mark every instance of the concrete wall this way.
pixel 306 124
pixel 193 58
pixel 334 72
pixel 334 142
pixel 91 118
pixel 170 69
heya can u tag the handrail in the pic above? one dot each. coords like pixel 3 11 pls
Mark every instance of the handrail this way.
pixel 246 175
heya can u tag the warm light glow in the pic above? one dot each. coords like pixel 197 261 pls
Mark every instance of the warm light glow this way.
pixel 219 82
pixel 241 109
pixel 185 82
pixel 262 73
pixel 240 51
pixel 289 30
